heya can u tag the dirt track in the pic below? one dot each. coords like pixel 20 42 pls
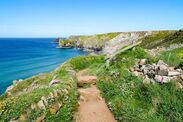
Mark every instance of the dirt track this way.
pixel 92 107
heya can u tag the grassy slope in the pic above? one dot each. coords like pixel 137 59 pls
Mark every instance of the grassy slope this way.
pixel 131 100
pixel 162 38
pixel 12 107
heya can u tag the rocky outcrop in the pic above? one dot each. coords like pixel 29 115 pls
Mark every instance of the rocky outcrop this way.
pixel 159 72
pixel 123 40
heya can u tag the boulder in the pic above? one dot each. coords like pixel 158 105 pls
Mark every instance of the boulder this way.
pixel 173 73
pixel 161 63
pixel 162 79
pixel 162 70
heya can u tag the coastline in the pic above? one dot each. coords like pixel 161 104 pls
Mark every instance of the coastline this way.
pixel 32 57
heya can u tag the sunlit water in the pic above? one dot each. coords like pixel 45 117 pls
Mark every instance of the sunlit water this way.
pixel 23 58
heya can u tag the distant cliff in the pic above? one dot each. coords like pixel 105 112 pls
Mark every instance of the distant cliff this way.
pixel 111 42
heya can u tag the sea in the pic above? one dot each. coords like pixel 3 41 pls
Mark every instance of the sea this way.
pixel 21 58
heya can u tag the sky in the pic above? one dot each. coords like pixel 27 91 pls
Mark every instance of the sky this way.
pixel 62 18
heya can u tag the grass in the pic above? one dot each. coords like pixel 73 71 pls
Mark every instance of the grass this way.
pixel 163 39
pixel 130 100
pixel 12 107
pixel 153 40
pixel 82 62
pixel 172 58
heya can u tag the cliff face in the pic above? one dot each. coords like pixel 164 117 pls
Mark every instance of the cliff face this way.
pixel 112 42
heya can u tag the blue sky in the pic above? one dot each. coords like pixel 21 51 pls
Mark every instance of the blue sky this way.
pixel 53 18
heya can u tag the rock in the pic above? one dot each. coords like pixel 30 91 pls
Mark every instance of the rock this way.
pixel 55 94
pixel 179 85
pixel 162 79
pixel 9 88
pixel 51 95
pixel 20 80
pixel 44 100
pixel 146 80
pixel 59 92
pixel 171 68
pixel 54 82
pixel 40 119
pixel 23 118
pixel 131 69
pixel 142 62
pixel 162 70
pixel 173 73
pixel 14 120
pixel 178 70
pixel 41 105
pixel 33 106
pixel 148 68
pixel 181 77
pixel 161 63
pixel 137 69
pixel 136 73
pixel 54 108
pixel 15 82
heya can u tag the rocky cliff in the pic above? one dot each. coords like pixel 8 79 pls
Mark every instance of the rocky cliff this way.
pixel 112 42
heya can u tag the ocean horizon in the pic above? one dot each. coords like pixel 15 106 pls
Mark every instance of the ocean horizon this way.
pixel 21 58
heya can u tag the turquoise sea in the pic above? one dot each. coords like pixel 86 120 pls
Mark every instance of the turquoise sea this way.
pixel 21 58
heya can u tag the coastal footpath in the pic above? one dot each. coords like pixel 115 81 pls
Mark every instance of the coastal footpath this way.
pixel 135 76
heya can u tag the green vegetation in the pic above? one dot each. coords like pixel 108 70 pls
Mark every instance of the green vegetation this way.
pixel 126 95
pixel 82 62
pixel 162 39
pixel 131 100
pixel 153 40
pixel 18 105
pixel 172 58
pixel 66 43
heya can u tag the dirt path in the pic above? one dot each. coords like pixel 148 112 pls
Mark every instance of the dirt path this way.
pixel 92 107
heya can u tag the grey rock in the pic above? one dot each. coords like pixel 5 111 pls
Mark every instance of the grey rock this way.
pixel 173 73
pixel 136 73
pixel 162 79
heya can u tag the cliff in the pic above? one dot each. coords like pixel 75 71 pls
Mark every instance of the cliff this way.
pixel 112 42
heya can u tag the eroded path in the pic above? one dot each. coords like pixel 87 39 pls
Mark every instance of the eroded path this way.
pixel 92 107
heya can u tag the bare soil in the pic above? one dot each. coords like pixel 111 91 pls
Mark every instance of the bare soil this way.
pixel 92 107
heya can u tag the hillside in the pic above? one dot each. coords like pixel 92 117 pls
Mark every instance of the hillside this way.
pixel 132 85
pixel 111 42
